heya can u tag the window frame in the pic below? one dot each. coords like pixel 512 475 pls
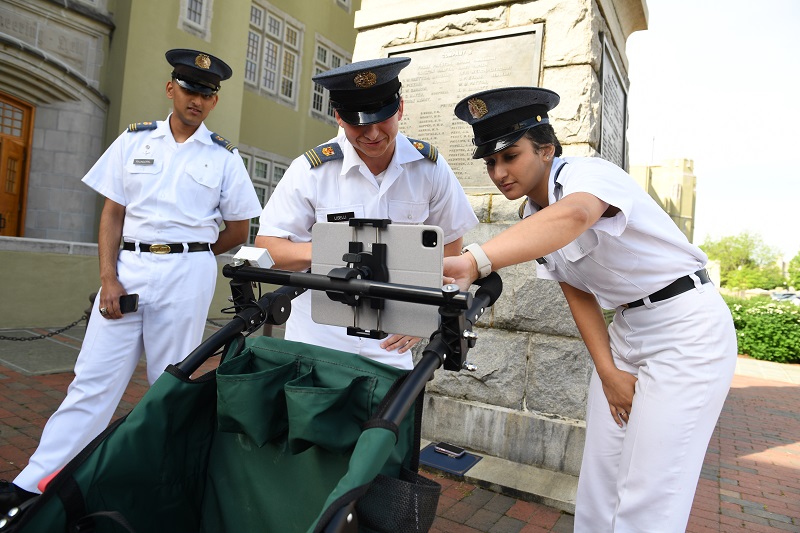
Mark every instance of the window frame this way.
pixel 335 57
pixel 201 29
pixel 264 185
pixel 274 69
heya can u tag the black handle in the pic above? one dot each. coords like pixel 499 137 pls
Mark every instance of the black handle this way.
pixel 491 287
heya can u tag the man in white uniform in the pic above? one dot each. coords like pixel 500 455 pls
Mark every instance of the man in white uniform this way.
pixel 371 170
pixel 168 187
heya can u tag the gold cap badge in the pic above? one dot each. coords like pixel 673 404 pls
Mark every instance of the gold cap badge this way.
pixel 365 79
pixel 203 61
pixel 477 107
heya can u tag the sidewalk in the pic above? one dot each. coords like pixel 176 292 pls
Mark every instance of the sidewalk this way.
pixel 750 480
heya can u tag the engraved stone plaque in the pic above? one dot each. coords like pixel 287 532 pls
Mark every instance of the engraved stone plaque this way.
pixel 53 36
pixel 614 114
pixel 444 71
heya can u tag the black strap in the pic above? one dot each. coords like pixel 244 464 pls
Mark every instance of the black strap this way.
pixel 74 505
pixel 557 188
pixel 679 286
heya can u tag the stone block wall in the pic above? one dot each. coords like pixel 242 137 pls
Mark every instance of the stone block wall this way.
pixel 526 400
pixel 67 140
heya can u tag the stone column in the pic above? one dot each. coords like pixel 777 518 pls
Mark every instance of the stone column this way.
pixel 526 401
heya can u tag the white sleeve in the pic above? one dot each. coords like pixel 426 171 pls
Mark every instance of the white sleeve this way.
pixel 449 208
pixel 105 176
pixel 290 211
pixel 238 198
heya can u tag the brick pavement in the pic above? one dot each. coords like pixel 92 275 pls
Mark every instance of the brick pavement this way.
pixel 750 481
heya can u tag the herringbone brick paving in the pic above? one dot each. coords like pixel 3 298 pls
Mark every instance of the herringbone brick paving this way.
pixel 750 480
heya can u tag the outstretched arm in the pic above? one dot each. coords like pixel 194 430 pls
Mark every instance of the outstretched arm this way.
pixel 540 234
pixel 288 255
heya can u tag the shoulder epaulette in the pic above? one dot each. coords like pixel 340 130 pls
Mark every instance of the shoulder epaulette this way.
pixel 323 153
pixel 141 126
pixel 222 141
pixel 426 149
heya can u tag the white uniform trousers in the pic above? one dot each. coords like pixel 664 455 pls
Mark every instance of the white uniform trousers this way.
pixel 175 292
pixel 642 477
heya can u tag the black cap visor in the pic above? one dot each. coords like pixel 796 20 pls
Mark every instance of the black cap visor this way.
pixel 195 87
pixel 372 116
pixel 497 145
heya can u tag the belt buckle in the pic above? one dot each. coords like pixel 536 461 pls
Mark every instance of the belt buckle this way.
pixel 160 249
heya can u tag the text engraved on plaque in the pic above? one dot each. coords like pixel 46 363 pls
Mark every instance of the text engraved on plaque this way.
pixel 440 75
pixel 614 114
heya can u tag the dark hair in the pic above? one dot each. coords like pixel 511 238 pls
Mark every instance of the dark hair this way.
pixel 543 134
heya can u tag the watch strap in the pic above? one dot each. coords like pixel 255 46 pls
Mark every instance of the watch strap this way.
pixel 481 259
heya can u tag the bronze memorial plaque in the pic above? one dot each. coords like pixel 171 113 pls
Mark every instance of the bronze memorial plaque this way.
pixel 444 71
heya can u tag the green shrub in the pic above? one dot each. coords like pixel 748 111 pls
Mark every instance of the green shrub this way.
pixel 767 330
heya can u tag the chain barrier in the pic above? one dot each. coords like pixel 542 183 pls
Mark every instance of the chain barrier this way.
pixel 213 323
pixel 46 335
pixel 70 326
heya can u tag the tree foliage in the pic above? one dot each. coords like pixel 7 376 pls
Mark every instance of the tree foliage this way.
pixel 746 261
pixel 794 271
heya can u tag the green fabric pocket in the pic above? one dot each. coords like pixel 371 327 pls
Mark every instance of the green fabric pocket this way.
pixel 329 417
pixel 251 399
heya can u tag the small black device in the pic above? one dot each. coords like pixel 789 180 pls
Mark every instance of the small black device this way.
pixel 449 449
pixel 128 303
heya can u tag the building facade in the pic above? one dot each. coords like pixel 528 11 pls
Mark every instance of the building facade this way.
pixel 75 73
pixel 672 184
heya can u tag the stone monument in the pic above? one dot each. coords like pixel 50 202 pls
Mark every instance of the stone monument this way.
pixel 526 401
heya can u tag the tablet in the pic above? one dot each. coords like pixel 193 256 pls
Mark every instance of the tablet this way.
pixel 413 257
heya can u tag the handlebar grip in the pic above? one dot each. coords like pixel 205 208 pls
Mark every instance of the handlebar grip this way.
pixel 491 287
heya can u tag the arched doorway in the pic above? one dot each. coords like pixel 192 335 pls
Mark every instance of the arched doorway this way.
pixel 16 119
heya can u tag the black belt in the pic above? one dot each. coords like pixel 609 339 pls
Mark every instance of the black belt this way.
pixel 679 286
pixel 173 248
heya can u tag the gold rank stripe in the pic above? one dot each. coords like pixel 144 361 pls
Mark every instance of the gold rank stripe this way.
pixel 313 158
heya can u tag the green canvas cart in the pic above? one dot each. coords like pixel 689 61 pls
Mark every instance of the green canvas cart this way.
pixel 281 437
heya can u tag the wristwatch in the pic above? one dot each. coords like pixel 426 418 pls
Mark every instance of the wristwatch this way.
pixel 484 265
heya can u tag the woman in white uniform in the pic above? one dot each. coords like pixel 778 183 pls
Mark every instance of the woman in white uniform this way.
pixel 664 366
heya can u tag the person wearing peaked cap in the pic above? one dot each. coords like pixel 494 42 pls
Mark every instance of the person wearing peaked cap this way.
pixel 197 71
pixel 663 367
pixel 168 187
pixel 370 170
pixel 366 92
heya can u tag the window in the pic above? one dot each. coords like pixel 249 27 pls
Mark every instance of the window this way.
pixel 344 4
pixel 327 57
pixel 272 62
pixel 10 119
pixel 195 17
pixel 194 11
pixel 266 175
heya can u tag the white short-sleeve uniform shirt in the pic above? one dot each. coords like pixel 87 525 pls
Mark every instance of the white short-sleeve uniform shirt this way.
pixel 174 192
pixel 622 258
pixel 412 190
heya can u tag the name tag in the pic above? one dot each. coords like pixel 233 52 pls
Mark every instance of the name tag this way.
pixel 340 217
pixel 143 161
